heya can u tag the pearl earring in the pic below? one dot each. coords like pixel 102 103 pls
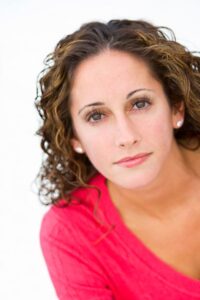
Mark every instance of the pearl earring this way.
pixel 179 123
pixel 79 149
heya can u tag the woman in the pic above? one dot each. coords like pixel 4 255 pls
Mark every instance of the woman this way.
pixel 121 130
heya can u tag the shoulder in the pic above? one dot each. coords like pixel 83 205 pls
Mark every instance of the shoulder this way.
pixel 68 239
pixel 77 219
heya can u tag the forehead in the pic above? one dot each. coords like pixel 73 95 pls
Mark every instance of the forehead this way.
pixel 110 73
pixel 108 62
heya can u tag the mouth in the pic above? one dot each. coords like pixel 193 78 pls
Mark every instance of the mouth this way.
pixel 131 161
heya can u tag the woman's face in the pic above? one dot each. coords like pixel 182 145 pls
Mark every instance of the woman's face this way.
pixel 120 110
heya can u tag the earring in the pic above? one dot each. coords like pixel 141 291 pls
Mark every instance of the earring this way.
pixel 179 123
pixel 79 149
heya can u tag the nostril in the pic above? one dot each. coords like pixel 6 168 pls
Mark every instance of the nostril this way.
pixel 127 143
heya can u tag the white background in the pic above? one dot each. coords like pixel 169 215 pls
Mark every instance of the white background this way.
pixel 29 31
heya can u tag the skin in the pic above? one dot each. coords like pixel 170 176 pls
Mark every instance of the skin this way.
pixel 108 78
pixel 162 193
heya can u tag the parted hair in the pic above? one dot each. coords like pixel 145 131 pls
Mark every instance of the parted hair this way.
pixel 176 68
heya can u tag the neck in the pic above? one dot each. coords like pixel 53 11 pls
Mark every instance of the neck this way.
pixel 171 190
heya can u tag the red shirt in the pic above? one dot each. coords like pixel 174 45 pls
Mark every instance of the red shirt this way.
pixel 90 260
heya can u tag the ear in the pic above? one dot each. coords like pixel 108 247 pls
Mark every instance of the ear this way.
pixel 76 145
pixel 178 113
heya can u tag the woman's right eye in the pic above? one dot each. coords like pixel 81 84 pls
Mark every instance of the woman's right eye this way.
pixel 94 116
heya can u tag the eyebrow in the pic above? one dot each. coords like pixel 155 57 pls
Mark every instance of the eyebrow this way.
pixel 102 103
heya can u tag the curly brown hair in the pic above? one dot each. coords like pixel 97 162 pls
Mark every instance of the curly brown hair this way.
pixel 177 68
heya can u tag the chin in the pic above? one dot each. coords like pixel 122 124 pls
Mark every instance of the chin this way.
pixel 135 186
pixel 137 182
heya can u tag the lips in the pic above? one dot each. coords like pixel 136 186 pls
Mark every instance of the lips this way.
pixel 132 158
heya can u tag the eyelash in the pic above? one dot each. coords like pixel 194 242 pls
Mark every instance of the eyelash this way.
pixel 94 112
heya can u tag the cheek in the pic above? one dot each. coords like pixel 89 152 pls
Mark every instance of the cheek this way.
pixel 97 155
pixel 97 146
pixel 160 131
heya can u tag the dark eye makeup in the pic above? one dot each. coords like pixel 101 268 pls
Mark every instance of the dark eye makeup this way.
pixel 140 104
pixel 94 115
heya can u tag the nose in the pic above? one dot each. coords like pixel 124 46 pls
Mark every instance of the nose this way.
pixel 126 133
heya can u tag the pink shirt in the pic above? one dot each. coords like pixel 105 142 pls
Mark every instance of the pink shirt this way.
pixel 86 261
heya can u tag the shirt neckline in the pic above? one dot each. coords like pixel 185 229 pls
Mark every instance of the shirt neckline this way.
pixel 170 275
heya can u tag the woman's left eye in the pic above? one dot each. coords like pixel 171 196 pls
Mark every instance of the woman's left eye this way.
pixel 141 104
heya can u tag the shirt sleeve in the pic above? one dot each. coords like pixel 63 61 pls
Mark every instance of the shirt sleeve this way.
pixel 73 272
